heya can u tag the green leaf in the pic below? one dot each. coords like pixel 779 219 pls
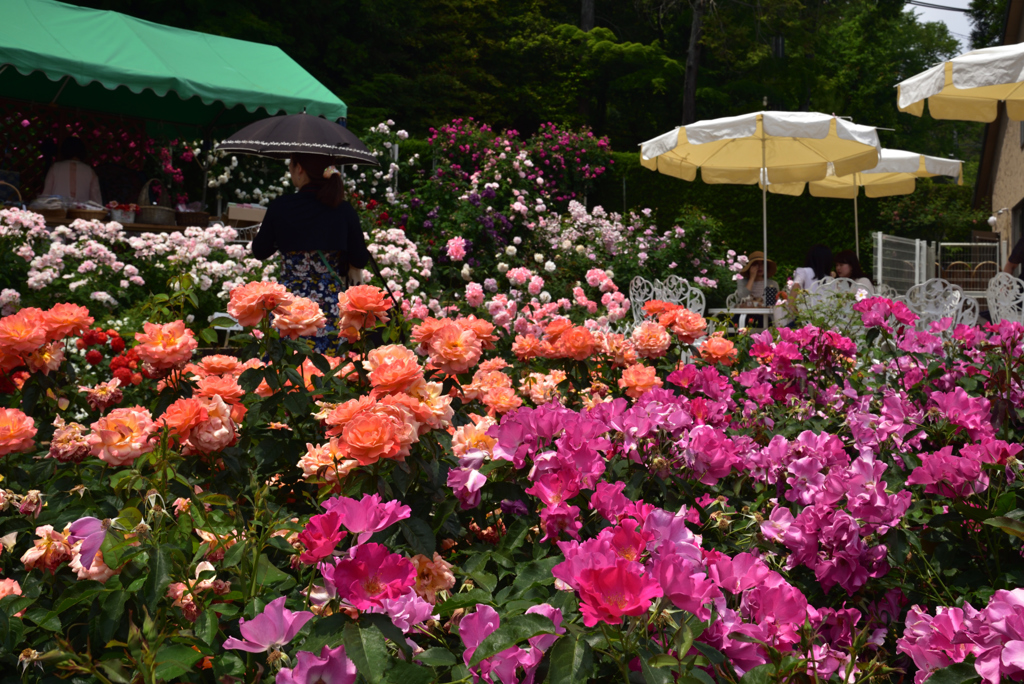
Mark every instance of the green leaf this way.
pixel 174 660
pixel 954 674
pixel 653 674
pixel 159 578
pixel 223 322
pixel 46 619
pixel 484 580
pixel 762 674
pixel 512 631
pixel 572 660
pixel 1007 525
pixel 233 556
pixel 419 535
pixel 75 594
pixel 710 652
pixel 464 600
pixel 516 534
pixel 407 673
pixel 250 379
pixel 206 626
pixel 268 574
pixel 322 364
pixel 366 647
pixel 208 335
pixel 536 573
pixel 437 657
pixel 696 676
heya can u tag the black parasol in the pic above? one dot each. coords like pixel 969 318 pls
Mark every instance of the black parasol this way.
pixel 282 136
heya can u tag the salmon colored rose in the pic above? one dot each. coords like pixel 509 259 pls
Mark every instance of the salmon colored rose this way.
pixel 65 320
pixel 250 302
pixel 326 461
pixel 424 331
pixel 396 376
pixel 123 435
pixel 341 415
pixel 484 330
pixel 215 433
pixel 361 307
pixel 577 343
pixel 17 431
pixel 301 317
pixel 556 328
pixel 639 379
pixel 651 340
pixel 49 550
pixel 220 364
pixel 501 400
pixel 23 332
pixel 165 346
pixel 656 307
pixel 432 575
pixel 182 416
pixel 47 358
pixel 484 382
pixel 454 350
pixel 620 350
pixel 430 396
pixel 717 349
pixel 218 386
pixel 473 436
pixel 388 353
pixel 369 437
pixel 688 326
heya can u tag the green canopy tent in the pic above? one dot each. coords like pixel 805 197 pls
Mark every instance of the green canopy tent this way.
pixel 106 61
pixel 181 82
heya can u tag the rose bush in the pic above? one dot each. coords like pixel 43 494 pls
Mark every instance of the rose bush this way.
pixel 496 500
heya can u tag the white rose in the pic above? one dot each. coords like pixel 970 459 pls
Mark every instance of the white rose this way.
pixel 580 249
pixel 511 251
pixel 539 258
pixel 502 267
pixel 466 272
pixel 549 266
pixel 545 297
pixel 566 244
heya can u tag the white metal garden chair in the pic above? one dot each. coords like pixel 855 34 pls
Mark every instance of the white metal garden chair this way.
pixel 936 299
pixel 673 289
pixel 1005 297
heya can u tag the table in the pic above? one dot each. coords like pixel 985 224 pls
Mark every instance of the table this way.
pixel 743 312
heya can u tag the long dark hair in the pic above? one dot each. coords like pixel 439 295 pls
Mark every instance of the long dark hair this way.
pixel 848 256
pixel 819 260
pixel 330 191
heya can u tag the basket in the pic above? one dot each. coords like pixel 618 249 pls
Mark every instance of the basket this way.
pixel 192 218
pixel 122 216
pixel 157 216
pixel 87 214
pixel 52 214
pixel 15 189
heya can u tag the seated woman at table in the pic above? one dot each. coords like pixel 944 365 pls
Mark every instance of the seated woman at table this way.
pixel 750 290
pixel 72 178
pixel 848 266
pixel 817 265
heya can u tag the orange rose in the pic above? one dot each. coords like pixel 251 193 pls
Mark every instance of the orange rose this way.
pixel 473 436
pixel 620 350
pixel 396 376
pixel 501 400
pixel 432 576
pixel 656 307
pixel 484 382
pixel 122 436
pixel 388 353
pixel 63 320
pixel 326 461
pixel 182 416
pixel 424 331
pixel 16 431
pixel 688 326
pixel 369 437
pixel 454 350
pixel 165 346
pixel 250 302
pixel 308 371
pixel 361 307
pixel 301 317
pixel 542 388
pixel 226 388
pixel 340 416
pixel 484 330
pixel 529 347
pixel 556 328
pixel 23 332
pixel 717 349
pixel 47 358
pixel 440 405
pixel 497 363
pixel 639 379
pixel 49 551
pixel 576 343
pixel 651 340
pixel 220 364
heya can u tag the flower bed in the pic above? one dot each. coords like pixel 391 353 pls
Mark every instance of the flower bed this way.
pixel 548 504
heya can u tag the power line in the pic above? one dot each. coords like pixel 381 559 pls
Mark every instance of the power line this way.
pixel 929 5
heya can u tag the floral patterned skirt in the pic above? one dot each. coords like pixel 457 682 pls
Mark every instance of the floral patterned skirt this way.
pixel 305 274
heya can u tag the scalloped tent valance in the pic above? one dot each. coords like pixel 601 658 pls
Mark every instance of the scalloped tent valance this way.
pixel 107 61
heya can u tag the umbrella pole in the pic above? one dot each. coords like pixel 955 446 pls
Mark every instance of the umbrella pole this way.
pixel 856 224
pixel 764 219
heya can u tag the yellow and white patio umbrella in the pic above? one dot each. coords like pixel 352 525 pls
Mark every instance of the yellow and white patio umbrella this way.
pixel 777 147
pixel 969 87
pixel 896 173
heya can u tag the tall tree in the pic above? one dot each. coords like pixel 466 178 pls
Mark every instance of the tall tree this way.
pixel 987 17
